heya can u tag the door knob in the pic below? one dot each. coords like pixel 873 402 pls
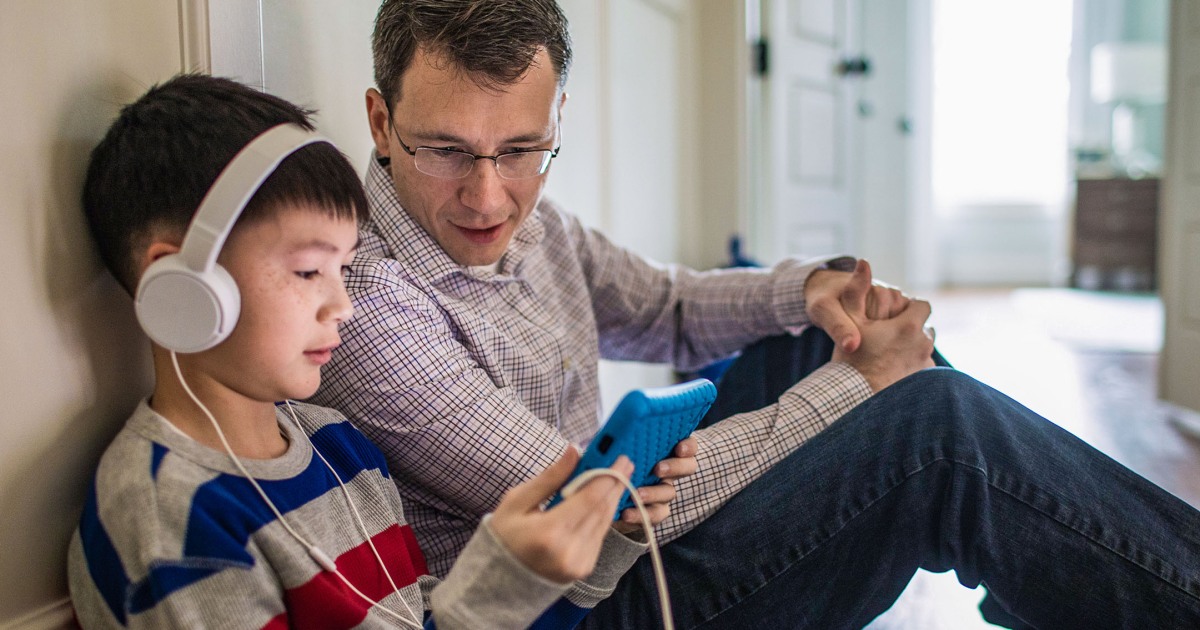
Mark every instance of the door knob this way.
pixel 853 65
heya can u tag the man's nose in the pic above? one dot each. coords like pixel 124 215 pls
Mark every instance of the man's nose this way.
pixel 483 189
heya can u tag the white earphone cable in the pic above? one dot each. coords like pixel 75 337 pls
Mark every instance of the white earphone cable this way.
pixel 362 528
pixel 660 574
pixel 313 551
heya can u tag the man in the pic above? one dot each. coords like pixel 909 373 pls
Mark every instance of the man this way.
pixel 483 310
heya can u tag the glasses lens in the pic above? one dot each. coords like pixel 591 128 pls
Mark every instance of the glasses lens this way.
pixel 441 163
pixel 523 164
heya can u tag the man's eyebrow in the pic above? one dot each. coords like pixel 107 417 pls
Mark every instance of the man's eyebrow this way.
pixel 449 138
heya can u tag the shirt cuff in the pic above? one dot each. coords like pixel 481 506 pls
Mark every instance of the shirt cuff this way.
pixel 488 587
pixel 834 389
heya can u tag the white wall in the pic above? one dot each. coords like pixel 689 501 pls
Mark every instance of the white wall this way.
pixel 318 54
pixel 628 164
pixel 72 363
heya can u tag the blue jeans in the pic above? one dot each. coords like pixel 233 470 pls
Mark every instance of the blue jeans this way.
pixel 937 472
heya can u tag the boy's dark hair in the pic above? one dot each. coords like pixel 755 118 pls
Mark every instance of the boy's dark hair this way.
pixel 493 41
pixel 149 174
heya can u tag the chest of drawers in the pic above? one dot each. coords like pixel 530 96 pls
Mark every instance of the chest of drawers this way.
pixel 1115 234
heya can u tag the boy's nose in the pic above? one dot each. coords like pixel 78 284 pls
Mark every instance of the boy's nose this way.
pixel 339 308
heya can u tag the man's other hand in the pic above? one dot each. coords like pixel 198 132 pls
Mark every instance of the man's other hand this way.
pixel 829 297
pixel 888 349
pixel 657 498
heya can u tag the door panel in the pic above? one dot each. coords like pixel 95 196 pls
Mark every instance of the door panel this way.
pixel 809 132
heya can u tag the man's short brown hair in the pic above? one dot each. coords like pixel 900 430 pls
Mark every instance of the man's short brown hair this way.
pixel 493 41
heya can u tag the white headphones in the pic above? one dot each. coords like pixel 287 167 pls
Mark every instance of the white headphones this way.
pixel 186 302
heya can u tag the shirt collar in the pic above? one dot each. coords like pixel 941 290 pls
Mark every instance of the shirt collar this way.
pixel 417 250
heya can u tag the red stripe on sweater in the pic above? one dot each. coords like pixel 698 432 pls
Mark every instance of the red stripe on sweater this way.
pixel 324 602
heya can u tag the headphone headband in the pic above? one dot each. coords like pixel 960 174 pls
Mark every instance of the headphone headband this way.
pixel 237 183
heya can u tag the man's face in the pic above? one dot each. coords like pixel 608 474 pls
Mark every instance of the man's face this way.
pixel 472 218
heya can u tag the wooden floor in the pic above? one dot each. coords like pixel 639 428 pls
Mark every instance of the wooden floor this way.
pixel 1106 396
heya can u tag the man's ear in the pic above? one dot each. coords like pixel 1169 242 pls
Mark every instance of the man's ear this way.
pixel 380 120
pixel 562 100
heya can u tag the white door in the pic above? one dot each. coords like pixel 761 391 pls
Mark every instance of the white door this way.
pixel 1179 226
pixel 809 130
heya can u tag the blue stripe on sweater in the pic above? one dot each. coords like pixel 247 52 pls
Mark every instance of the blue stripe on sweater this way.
pixel 224 513
pixel 103 563
pixel 157 453
pixel 227 510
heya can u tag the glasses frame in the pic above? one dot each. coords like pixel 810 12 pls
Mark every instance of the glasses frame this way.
pixel 476 157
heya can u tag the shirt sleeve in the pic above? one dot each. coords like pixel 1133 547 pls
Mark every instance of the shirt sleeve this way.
pixel 646 311
pixel 737 450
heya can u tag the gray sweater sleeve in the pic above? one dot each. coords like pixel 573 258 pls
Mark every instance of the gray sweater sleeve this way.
pixel 488 587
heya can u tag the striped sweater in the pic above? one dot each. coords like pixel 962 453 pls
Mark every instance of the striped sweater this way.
pixel 172 535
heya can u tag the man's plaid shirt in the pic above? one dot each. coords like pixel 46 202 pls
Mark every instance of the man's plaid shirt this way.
pixel 472 381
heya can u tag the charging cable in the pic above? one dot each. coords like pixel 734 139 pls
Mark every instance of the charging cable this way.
pixel 314 552
pixel 660 575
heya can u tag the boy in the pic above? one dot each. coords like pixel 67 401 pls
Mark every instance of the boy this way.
pixel 209 508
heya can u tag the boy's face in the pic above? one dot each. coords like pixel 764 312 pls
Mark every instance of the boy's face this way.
pixel 289 270
pixel 472 218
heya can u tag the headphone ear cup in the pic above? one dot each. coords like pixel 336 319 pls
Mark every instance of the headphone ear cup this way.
pixel 185 310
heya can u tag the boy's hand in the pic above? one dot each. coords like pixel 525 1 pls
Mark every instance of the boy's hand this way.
pixel 657 498
pixel 562 543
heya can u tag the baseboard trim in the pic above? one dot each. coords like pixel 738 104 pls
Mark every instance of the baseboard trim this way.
pixel 56 616
pixel 1185 420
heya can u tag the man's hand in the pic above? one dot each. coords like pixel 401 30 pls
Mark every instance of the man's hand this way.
pixel 562 543
pixel 657 498
pixel 828 304
pixel 889 349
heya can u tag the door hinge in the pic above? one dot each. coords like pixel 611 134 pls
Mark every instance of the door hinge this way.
pixel 761 57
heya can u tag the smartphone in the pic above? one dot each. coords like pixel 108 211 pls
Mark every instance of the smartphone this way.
pixel 645 427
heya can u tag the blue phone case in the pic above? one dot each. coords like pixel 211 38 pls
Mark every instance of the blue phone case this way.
pixel 645 427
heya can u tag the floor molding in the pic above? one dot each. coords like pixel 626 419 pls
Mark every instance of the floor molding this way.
pixel 56 616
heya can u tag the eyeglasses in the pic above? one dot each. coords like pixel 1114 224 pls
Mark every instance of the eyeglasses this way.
pixel 456 164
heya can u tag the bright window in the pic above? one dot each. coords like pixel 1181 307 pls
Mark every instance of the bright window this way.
pixel 1000 87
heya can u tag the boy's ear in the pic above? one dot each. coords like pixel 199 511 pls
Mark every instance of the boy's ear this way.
pixel 155 251
pixel 380 120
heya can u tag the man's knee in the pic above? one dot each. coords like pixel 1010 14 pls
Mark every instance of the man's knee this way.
pixel 937 382
pixel 939 396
